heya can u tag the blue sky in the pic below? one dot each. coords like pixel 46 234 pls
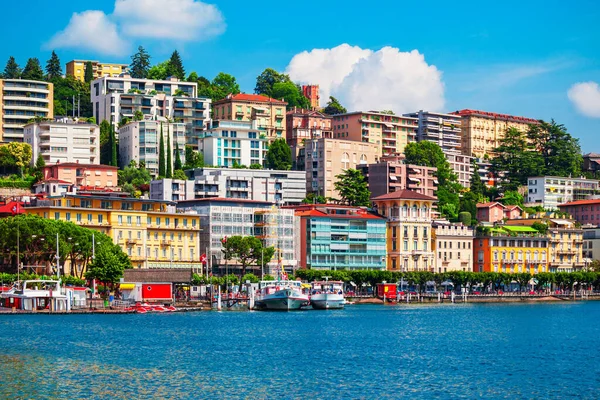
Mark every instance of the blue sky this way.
pixel 515 57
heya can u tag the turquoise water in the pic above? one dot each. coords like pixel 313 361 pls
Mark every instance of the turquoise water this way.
pixel 511 351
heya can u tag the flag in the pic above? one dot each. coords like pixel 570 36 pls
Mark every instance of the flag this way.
pixel 224 240
pixel 203 258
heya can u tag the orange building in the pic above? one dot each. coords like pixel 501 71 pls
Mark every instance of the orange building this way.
pixel 104 176
pixel 311 92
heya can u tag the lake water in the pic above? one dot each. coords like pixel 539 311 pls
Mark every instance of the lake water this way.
pixel 511 351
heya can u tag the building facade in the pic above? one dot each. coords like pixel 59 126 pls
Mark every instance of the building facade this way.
pixel 453 246
pixel 586 212
pixel 279 187
pixel 390 133
pixel 76 69
pixel 233 143
pixel 150 232
pixel 409 239
pixel 390 174
pixel 311 92
pixel 591 244
pixel 302 125
pixel 323 159
pixel 82 175
pixel 222 218
pixel 63 141
pixel 511 249
pixel 441 129
pixel 550 191
pixel 481 131
pixel 341 237
pixel 22 101
pixel 139 141
pixel 462 167
pixel 268 113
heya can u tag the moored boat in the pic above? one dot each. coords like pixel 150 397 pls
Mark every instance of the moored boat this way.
pixel 280 295
pixel 327 295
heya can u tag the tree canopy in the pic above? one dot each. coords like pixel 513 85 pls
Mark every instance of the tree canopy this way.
pixel 247 250
pixel 140 64
pixel 291 93
pixel 53 67
pixel 334 107
pixel 175 66
pixel 353 188
pixel 193 159
pixel 279 155
pixel 33 70
pixel 267 79
pixel 12 69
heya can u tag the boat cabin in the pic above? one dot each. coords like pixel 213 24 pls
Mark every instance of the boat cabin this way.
pixel 36 295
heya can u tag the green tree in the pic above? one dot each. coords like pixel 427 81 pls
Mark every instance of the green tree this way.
pixel 138 116
pixel 135 178
pixel 334 107
pixel 312 198
pixel 169 166
pixel 250 277
pixel 558 150
pixel 64 91
pixel 114 156
pixel 12 69
pixel 291 94
pixel 140 64
pixel 192 77
pixel 20 153
pixel 179 174
pixel 193 159
pixel 177 166
pixel 105 145
pixel 223 85
pixel 247 250
pixel 40 163
pixel 279 155
pixel 352 188
pixel 540 227
pixel 108 264
pixel 89 72
pixel 267 79
pixel 159 71
pixel 514 161
pixel 465 218
pixel 33 70
pixel 175 66
pixel 162 170
pixel 53 67
pixel 512 198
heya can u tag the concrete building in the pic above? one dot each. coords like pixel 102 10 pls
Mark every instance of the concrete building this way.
pixel 453 246
pixel 268 113
pixel 76 69
pixel 391 133
pixel 409 240
pixel 591 162
pixel 323 159
pixel 311 92
pixel 231 143
pixel 221 218
pixel 550 191
pixel 482 130
pixel 586 212
pixel 63 140
pixel 591 244
pixel 302 125
pixel 115 98
pixel 23 100
pixel 341 237
pixel 462 167
pixel 139 141
pixel 390 174
pixel 150 232
pixel 281 187
pixel 74 178
pixel 441 129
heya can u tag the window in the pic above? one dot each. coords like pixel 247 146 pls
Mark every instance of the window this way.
pixel 100 218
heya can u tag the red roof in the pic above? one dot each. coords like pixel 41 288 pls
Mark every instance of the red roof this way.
pixel 404 194
pixel 510 208
pixel 250 97
pixel 13 208
pixel 580 203
pixel 496 116
pixel 321 214
pixel 488 205
pixel 53 180
pixel 78 165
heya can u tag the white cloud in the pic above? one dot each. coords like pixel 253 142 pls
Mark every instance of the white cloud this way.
pixel 364 79
pixel 169 19
pixel 585 96
pixel 90 30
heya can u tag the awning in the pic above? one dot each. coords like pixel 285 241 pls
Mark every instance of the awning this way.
pixel 560 222
pixel 127 286
pixel 414 179
pixel 393 178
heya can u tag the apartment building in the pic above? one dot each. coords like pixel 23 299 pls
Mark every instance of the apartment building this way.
pixel 341 237
pixel 115 98
pixel 323 159
pixel 233 143
pixel 550 191
pixel 280 187
pixel 409 240
pixel 586 212
pixel 63 141
pixel 303 125
pixel 441 129
pixel 390 133
pixel 61 178
pixel 481 131
pixel 453 246
pixel 268 113
pixel 591 244
pixel 139 141
pixel 462 167
pixel 510 249
pixel 221 218
pixel 22 101
pixel 76 69
pixel 311 92
pixel 152 233
pixel 391 174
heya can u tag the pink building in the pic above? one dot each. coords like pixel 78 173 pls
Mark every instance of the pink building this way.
pixel 490 212
pixel 303 125
pixel 583 211
pixel 311 92
pixel 82 175
pixel 512 212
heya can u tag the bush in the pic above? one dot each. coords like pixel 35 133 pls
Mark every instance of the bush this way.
pixel 465 218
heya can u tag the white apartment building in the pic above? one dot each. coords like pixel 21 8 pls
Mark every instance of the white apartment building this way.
pixel 550 191
pixel 221 218
pixel 281 187
pixel 140 141
pixel 442 129
pixel 591 243
pixel 452 245
pixel 115 98
pixel 63 141
pixel 230 143
pixel 462 167
pixel 22 101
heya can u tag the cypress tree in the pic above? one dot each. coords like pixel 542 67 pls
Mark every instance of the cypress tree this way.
pixel 89 72
pixel 12 70
pixel 53 68
pixel 33 70
pixel 114 158
pixel 161 154
pixel 140 63
pixel 169 157
pixel 175 67
pixel 178 165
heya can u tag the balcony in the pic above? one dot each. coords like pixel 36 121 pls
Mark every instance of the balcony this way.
pixel 165 243
pixel 131 242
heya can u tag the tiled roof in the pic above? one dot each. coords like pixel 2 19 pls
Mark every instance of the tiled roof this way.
pixel 495 116
pixel 404 194
pixel 321 214
pixel 580 203
pixel 52 180
pixel 488 205
pixel 250 97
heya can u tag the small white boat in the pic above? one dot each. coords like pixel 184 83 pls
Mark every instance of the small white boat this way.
pixel 327 295
pixel 280 295
pixel 37 294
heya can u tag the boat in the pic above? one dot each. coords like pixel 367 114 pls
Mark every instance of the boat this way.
pixel 280 295
pixel 327 295
pixel 38 294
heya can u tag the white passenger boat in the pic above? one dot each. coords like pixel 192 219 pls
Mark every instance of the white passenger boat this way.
pixel 327 294
pixel 36 295
pixel 280 295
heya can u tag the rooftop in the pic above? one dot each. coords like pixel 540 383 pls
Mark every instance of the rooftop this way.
pixel 488 205
pixel 259 98
pixel 580 203
pixel 493 115
pixel 79 165
pixel 405 195
pixel 320 214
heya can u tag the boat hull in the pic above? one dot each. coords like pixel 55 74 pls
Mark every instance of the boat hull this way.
pixel 282 300
pixel 327 301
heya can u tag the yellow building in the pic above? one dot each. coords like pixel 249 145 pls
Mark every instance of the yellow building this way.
pixel 481 130
pixel 76 69
pixel 510 249
pixel 268 113
pixel 149 231
pixel 409 240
